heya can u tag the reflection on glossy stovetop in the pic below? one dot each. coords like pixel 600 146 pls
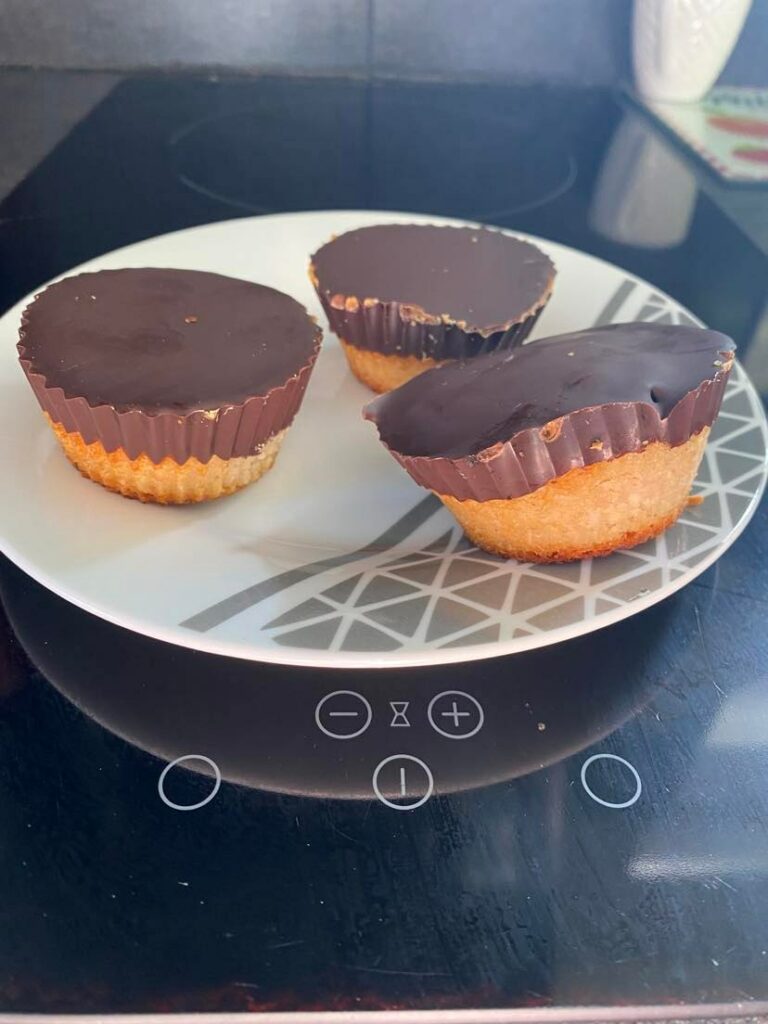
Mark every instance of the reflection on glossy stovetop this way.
pixel 386 164
pixel 581 825
pixel 158 155
pixel 604 838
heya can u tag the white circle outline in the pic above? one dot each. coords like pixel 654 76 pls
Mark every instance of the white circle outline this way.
pixel 343 693
pixel 201 803
pixel 453 735
pixel 390 803
pixel 607 803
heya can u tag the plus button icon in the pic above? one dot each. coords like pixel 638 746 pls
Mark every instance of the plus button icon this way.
pixel 455 714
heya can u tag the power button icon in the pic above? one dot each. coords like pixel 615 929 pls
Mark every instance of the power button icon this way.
pixel 403 782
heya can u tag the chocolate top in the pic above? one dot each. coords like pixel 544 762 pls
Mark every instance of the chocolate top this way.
pixel 466 407
pixel 165 340
pixel 478 278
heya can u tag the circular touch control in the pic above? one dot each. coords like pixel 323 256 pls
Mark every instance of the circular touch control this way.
pixel 455 715
pixel 343 715
pixel 403 782
pixel 201 803
pixel 614 805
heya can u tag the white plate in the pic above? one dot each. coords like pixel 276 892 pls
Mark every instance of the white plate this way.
pixel 336 558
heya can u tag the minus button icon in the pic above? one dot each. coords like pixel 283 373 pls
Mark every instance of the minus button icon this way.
pixel 343 714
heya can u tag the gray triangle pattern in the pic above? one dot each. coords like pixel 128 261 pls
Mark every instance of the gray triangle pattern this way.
pixel 562 615
pixel 362 637
pixel 532 592
pixel 403 617
pixel 317 637
pixel 564 572
pixel 384 588
pixel 450 616
pixel 411 559
pixel 736 403
pixel 732 466
pixel 423 573
pixel 726 426
pixel 637 586
pixel 694 560
pixel 649 311
pixel 487 635
pixel 462 570
pixel 684 537
pixel 310 609
pixel 601 605
pixel 492 561
pixel 609 568
pixel 751 484
pixel 649 551
pixel 492 593
pixel 704 475
pixel 687 321
pixel 654 305
pixel 705 514
pixel 750 442
pixel 441 543
pixel 465 546
pixel 341 591
pixel 737 505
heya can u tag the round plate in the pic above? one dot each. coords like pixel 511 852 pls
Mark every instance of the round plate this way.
pixel 336 558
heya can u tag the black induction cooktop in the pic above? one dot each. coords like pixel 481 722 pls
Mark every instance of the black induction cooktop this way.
pixel 580 832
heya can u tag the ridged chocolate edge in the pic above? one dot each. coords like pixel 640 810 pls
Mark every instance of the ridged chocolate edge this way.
pixel 534 457
pixel 229 431
pixel 395 328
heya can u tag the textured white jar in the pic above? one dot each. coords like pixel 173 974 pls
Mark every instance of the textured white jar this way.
pixel 679 47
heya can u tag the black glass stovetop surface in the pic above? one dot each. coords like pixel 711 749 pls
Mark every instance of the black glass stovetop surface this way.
pixel 584 825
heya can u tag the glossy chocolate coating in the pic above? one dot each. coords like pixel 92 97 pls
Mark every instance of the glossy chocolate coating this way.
pixel 503 424
pixel 465 407
pixel 433 291
pixel 168 363
pixel 155 339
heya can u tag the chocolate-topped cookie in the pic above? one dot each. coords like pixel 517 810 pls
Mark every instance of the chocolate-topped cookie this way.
pixel 404 298
pixel 568 447
pixel 168 385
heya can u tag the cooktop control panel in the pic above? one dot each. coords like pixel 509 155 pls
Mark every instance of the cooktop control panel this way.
pixel 420 763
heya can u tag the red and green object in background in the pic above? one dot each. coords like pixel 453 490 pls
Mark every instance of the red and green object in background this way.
pixel 749 126
pixel 754 154
pixel 728 129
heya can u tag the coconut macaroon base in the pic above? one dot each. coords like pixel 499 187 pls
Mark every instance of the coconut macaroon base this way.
pixel 381 372
pixel 166 482
pixel 589 511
